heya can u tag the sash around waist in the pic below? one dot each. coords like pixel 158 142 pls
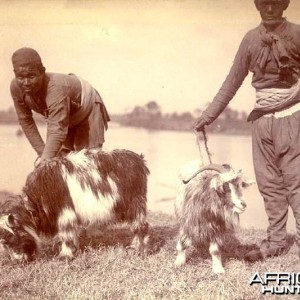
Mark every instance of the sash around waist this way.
pixel 89 96
pixel 274 100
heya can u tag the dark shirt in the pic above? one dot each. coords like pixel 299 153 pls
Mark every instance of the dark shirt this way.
pixel 266 74
pixel 58 100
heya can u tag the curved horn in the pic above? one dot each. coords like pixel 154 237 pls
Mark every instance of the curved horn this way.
pixel 211 167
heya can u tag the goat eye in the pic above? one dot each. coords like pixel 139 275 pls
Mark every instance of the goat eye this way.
pixel 244 184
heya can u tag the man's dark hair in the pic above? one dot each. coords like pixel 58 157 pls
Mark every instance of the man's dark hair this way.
pixel 284 2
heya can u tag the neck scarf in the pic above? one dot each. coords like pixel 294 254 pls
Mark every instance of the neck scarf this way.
pixel 273 48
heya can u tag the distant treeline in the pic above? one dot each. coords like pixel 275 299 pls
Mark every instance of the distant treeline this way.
pixel 151 117
pixel 10 117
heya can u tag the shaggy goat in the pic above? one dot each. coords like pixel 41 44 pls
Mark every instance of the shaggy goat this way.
pixel 208 203
pixel 90 187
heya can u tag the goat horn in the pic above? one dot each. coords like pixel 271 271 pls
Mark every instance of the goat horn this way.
pixel 212 167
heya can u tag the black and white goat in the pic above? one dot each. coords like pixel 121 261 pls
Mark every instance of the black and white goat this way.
pixel 208 203
pixel 90 187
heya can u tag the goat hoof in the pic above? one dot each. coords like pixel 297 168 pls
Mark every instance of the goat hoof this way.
pixel 180 261
pixel 131 248
pixel 139 250
pixel 66 259
pixel 219 270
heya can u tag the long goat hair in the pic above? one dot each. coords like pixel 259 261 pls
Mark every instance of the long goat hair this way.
pixel 205 218
pixel 89 187
pixel 207 206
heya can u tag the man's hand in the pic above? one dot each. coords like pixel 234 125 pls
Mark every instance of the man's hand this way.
pixel 199 124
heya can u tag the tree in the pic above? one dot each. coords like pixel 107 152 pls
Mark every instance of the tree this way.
pixel 153 108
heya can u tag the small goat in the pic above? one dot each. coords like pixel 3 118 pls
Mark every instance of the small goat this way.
pixel 208 204
pixel 90 187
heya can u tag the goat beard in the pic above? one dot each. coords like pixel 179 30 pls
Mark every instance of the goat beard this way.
pixel 205 217
pixel 232 218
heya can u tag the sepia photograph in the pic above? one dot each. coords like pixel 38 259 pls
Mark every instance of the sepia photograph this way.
pixel 149 149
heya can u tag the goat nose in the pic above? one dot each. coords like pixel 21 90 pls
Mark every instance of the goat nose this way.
pixel 244 204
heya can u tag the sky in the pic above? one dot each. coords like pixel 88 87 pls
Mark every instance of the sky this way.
pixel 176 53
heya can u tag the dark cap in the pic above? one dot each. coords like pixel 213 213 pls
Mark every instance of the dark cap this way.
pixel 26 56
pixel 284 2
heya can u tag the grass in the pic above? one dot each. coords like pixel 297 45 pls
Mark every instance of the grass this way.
pixel 106 269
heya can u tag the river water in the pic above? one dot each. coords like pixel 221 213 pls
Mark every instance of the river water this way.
pixel 165 152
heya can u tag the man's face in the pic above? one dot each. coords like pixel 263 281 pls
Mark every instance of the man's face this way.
pixel 270 10
pixel 29 78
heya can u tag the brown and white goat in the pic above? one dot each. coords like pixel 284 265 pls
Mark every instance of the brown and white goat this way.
pixel 90 187
pixel 208 203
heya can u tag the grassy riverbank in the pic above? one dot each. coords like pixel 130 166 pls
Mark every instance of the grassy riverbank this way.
pixel 105 269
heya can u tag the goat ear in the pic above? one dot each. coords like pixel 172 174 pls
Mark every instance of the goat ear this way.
pixel 214 182
pixel 247 183
pixel 217 184
pixel 11 220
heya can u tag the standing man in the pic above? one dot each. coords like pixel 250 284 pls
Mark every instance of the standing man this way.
pixel 75 113
pixel 271 52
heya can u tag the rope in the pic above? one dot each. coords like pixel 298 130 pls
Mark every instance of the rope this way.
pixel 198 139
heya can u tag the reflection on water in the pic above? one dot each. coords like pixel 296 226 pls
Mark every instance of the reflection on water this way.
pixel 165 152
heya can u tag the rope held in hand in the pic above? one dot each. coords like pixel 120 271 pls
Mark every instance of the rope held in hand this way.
pixel 198 137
